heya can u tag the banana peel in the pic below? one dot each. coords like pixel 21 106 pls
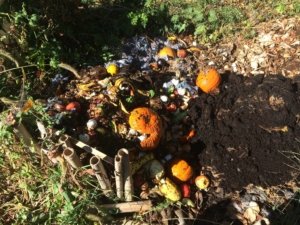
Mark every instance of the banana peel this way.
pixel 85 87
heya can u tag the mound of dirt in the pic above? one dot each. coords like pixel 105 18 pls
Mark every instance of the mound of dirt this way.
pixel 249 130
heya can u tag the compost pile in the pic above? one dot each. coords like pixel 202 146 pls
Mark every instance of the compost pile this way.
pixel 233 138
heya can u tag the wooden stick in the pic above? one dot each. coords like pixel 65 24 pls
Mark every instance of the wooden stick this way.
pixel 127 178
pixel 72 158
pixel 119 176
pixel 101 174
pixel 129 207
pixel 92 150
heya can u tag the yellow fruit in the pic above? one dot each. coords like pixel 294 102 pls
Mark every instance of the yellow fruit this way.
pixel 166 52
pixel 169 190
pixel 112 69
pixel 202 182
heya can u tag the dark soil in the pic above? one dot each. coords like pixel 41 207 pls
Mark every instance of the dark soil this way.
pixel 240 130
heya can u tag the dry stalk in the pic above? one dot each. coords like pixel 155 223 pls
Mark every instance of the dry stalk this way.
pixel 101 174
pixel 119 177
pixel 65 141
pixel 71 157
pixel 178 212
pixel 69 68
pixel 127 176
pixel 11 58
pixel 21 131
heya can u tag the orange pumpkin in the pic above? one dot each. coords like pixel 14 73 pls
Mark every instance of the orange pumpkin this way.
pixel 146 121
pixel 166 52
pixel 209 80
pixel 181 170
pixel 202 182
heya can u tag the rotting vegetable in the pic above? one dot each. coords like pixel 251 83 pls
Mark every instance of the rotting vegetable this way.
pixel 169 190
pixel 146 121
pixel 181 170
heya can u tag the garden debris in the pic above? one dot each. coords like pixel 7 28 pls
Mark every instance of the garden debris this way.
pixel 101 175
pixel 21 131
pixel 176 101
pixel 128 207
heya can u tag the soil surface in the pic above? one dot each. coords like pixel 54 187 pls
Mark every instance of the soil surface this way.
pixel 247 132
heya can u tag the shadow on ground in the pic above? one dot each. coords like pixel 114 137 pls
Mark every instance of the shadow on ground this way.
pixel 85 29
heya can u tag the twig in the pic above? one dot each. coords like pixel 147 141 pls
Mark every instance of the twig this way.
pixel 17 68
pixel 69 68
pixel 61 65
pixel 11 58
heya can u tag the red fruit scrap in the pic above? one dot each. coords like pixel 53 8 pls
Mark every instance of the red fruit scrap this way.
pixel 186 190
pixel 73 106
pixel 181 53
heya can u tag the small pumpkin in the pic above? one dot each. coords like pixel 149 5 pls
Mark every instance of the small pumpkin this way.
pixel 146 121
pixel 181 170
pixel 166 52
pixel 202 182
pixel 169 190
pixel 208 80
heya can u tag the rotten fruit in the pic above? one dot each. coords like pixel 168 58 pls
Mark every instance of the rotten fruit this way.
pixel 181 170
pixel 202 182
pixel 166 52
pixel 181 53
pixel 146 121
pixel 73 106
pixel 208 80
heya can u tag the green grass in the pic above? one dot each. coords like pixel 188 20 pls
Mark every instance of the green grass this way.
pixel 37 194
